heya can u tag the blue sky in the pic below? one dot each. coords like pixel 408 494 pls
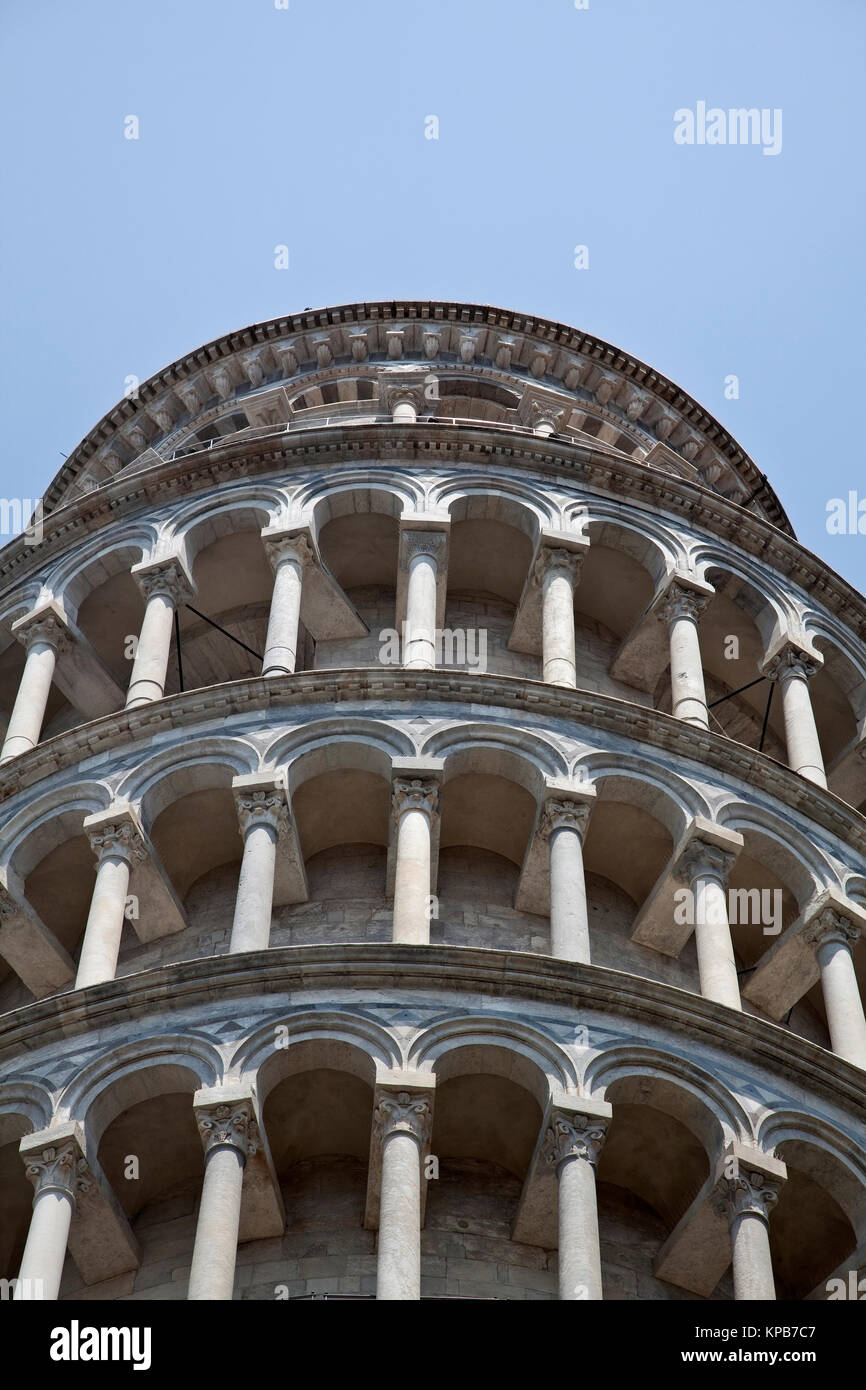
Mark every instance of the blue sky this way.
pixel 305 127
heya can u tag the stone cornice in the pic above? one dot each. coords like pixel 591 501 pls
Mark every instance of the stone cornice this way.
pixel 466 316
pixel 426 443
pixel 333 689
pixel 286 971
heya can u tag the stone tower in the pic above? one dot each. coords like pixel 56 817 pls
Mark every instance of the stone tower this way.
pixel 432 861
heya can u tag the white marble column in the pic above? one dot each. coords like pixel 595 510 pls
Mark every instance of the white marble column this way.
pixel 263 816
pixel 749 1198
pixel 704 868
pixel 792 669
pixel 57 1174
pixel 573 1143
pixel 423 552
pixel 833 937
pixel 164 585
pixel 564 825
pixel 556 569
pixel 288 553
pixel 415 801
pixel 116 847
pixel 229 1133
pixel 402 1122
pixel 44 636
pixel 681 609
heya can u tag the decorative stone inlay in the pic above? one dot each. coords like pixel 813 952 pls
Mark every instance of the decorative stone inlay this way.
pixel 790 663
pixel 559 813
pixel 404 1112
pixel 682 602
pixel 700 859
pixel 60 1169
pixel 749 1193
pixel 571 1135
pixel 121 839
pixel 225 1126
pixel 167 578
pixel 415 794
pixel 830 926
pixel 265 807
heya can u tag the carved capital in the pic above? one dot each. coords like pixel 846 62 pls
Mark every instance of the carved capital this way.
pixel 415 794
pixel 682 602
pixel 700 859
pixel 226 1126
pixel 166 578
pixel 557 558
pixel 432 543
pixel 749 1193
pixel 571 1135
pixel 44 625
pixel 790 664
pixel 265 806
pixel 403 1112
pixel 293 546
pixel 558 813
pixel 60 1169
pixel 118 838
pixel 830 926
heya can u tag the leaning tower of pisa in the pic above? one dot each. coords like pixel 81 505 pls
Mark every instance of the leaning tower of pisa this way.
pixel 432 860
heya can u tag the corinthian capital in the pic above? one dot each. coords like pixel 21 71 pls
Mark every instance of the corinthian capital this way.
pixel 293 546
pixel 551 558
pixel 166 577
pixel 560 813
pixel 415 794
pixel 228 1126
pixel 60 1169
pixel 262 806
pixel 831 926
pixel 790 663
pixel 700 859
pixel 403 1112
pixel 45 624
pixel 571 1135
pixel 120 838
pixel 680 601
pixel 749 1193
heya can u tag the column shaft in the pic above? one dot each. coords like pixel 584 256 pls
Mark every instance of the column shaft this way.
pixel 579 1250
pixel 251 928
pixel 801 734
pixel 419 645
pixel 412 876
pixel 45 1252
pixel 25 724
pixel 281 644
pixel 716 965
pixel 398 1268
pixel 569 918
pixel 688 694
pixel 212 1274
pixel 842 1001
pixel 752 1264
pixel 559 665
pixel 102 934
pixel 147 682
